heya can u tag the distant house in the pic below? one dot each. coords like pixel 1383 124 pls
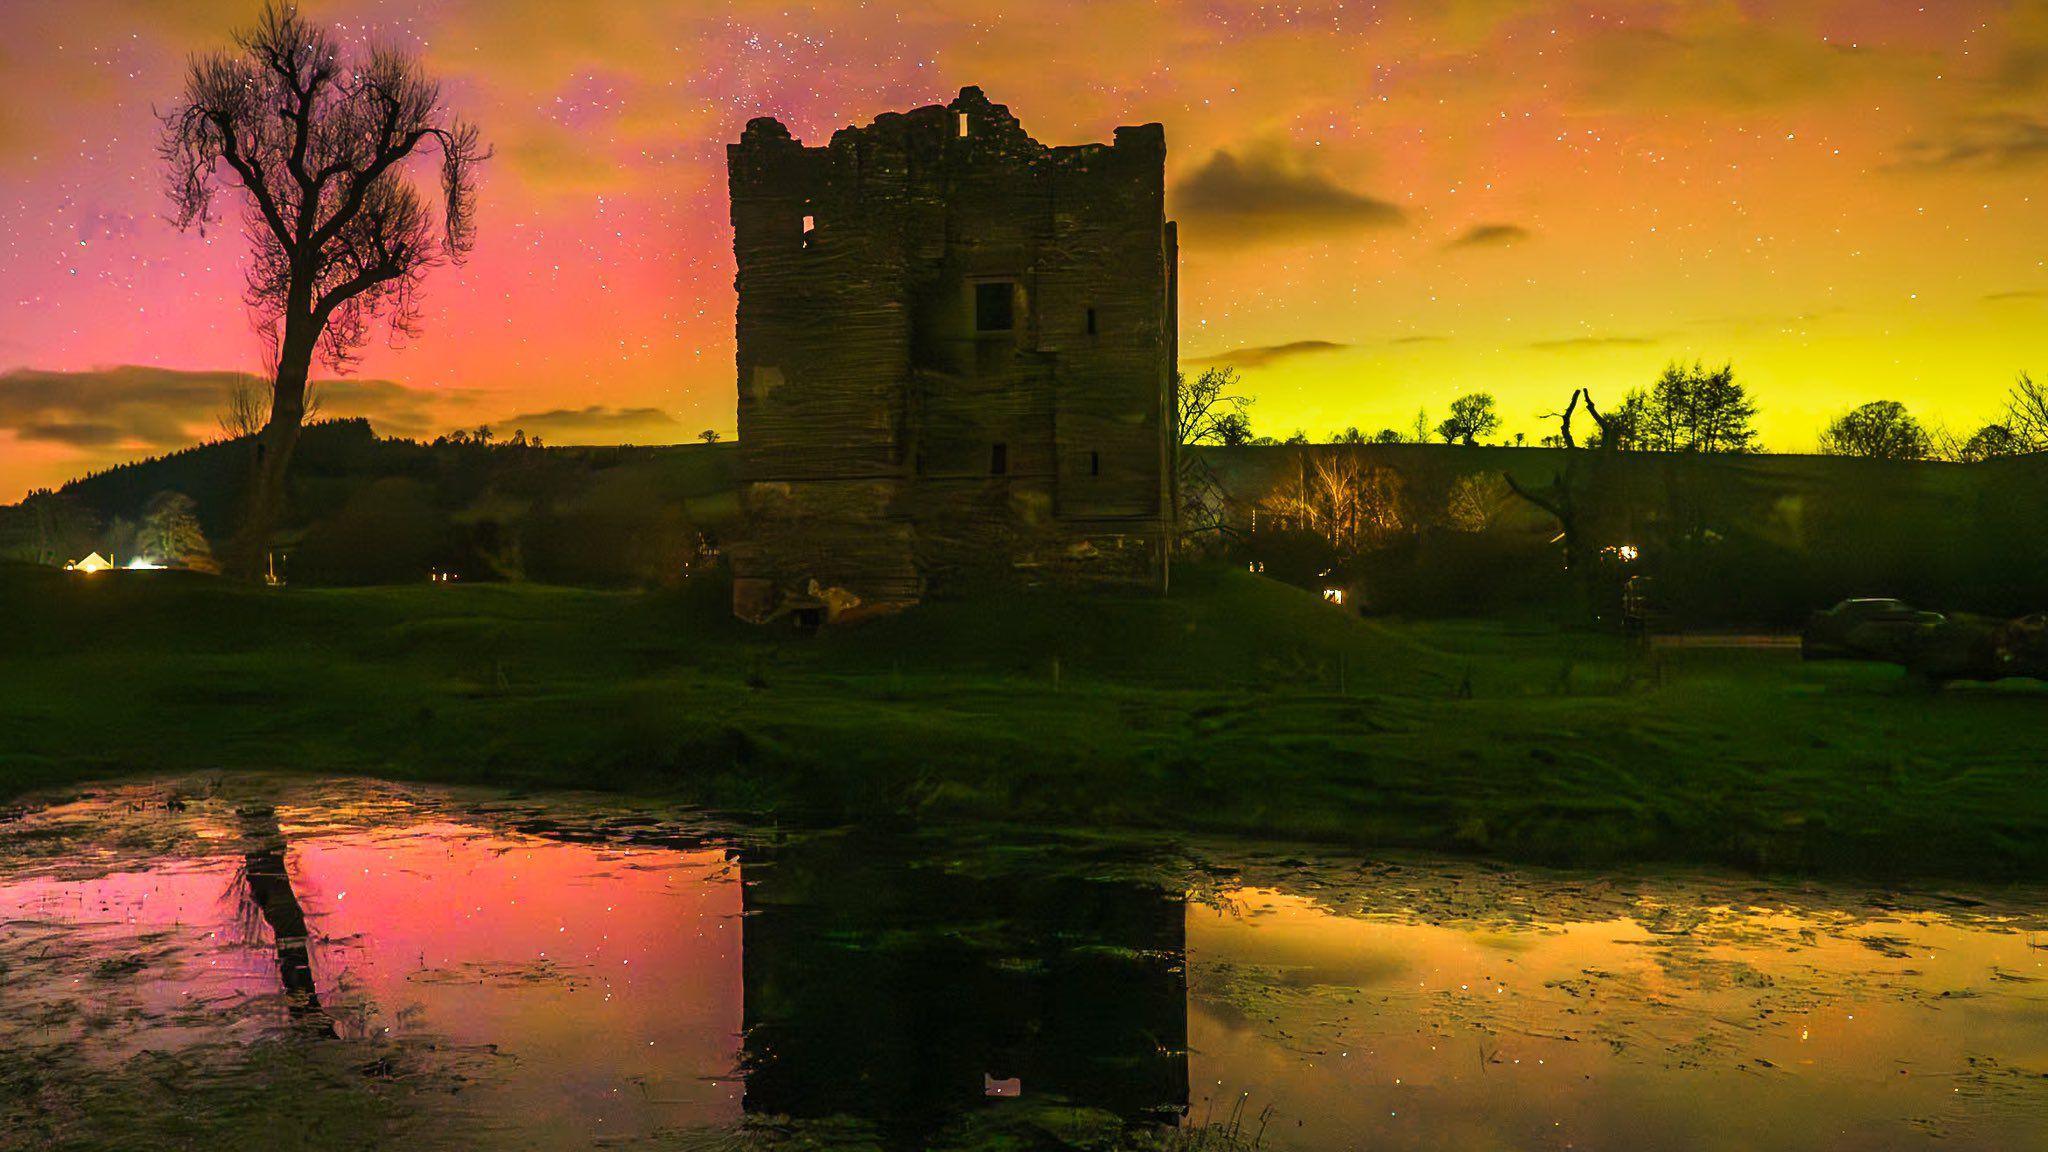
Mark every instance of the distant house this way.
pixel 956 352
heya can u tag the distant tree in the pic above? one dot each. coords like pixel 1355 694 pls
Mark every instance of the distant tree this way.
pixel 1474 502
pixel 1386 436
pixel 2026 414
pixel 1879 430
pixel 1987 443
pixel 709 436
pixel 1349 435
pixel 1352 506
pixel 1299 437
pixel 245 409
pixel 1624 425
pixel 1472 416
pixel 170 532
pixel 1697 410
pixel 1234 430
pixel 317 147
pixel 483 434
pixel 1209 409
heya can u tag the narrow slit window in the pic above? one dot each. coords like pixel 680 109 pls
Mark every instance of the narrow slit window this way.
pixel 1091 321
pixel 1094 460
pixel 999 459
pixel 810 226
pixel 960 125
pixel 995 306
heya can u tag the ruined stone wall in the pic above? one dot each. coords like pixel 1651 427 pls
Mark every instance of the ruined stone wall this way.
pixel 893 442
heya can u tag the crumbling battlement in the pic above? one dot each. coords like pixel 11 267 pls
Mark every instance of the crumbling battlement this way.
pixel 956 357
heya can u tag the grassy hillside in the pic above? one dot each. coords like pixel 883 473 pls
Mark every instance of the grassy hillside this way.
pixel 1238 705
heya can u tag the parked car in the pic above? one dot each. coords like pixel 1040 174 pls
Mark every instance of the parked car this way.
pixel 1982 650
pixel 1871 628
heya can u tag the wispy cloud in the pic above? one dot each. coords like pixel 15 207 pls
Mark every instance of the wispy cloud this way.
pixel 1999 140
pixel 1584 343
pixel 2015 296
pixel 1265 355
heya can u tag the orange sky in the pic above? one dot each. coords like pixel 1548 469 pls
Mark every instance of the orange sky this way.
pixel 1383 206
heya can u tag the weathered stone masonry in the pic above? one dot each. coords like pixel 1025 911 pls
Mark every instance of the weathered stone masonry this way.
pixel 956 358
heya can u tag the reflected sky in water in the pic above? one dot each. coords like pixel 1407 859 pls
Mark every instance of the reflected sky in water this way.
pixel 568 973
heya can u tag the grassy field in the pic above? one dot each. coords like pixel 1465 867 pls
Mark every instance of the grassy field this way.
pixel 1239 705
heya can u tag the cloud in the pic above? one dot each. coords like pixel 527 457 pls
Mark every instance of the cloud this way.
pixel 2016 296
pixel 1491 236
pixel 1998 140
pixel 1581 343
pixel 134 409
pixel 1272 195
pixel 1265 355
pixel 82 435
pixel 599 424
pixel 1422 339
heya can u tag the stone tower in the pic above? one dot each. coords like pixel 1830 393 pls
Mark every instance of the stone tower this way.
pixel 956 359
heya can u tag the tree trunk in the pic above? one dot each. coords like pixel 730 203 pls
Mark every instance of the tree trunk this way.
pixel 264 500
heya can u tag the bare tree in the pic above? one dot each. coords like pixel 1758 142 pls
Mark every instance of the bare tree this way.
pixel 1564 497
pixel 2026 414
pixel 245 409
pixel 1352 506
pixel 1209 409
pixel 318 148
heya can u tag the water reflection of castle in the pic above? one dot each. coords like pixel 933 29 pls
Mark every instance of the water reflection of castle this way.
pixel 877 984
pixel 894 991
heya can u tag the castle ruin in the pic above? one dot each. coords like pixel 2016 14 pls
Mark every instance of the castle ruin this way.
pixel 956 359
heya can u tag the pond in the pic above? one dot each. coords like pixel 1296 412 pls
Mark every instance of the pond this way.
pixel 264 963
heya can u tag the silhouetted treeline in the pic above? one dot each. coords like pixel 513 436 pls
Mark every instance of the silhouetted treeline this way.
pixel 368 510
pixel 1411 528
pixel 1725 538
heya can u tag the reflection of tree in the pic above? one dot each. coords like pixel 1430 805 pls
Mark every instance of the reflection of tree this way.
pixel 270 893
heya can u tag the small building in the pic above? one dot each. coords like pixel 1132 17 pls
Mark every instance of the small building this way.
pixel 956 355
